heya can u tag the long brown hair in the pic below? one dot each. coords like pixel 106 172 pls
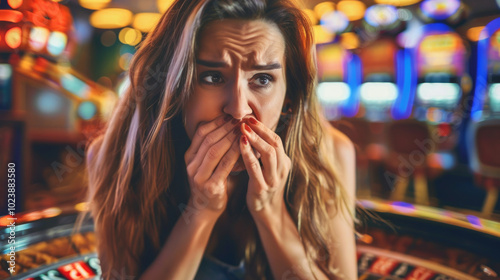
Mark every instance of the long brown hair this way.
pixel 137 176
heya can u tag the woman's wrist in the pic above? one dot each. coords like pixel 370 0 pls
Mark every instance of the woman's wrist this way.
pixel 199 211
pixel 269 216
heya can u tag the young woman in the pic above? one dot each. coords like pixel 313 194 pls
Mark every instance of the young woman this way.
pixel 217 164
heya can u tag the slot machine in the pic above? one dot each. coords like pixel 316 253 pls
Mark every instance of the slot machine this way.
pixel 52 107
pixel 484 128
pixel 427 132
pixel 339 80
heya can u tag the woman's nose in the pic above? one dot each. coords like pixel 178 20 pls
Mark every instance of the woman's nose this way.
pixel 237 104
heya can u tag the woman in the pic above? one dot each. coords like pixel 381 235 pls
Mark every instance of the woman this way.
pixel 216 164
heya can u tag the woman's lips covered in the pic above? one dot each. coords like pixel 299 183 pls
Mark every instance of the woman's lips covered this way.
pixel 238 166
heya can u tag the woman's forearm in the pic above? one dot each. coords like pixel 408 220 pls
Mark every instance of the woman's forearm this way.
pixel 181 255
pixel 284 249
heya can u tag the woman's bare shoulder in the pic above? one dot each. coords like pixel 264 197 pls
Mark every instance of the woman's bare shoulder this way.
pixel 344 153
pixel 342 145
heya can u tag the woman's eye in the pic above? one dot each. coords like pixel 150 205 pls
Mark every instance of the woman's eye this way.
pixel 212 78
pixel 263 80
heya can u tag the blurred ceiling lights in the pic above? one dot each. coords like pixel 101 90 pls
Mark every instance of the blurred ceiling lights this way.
pixel 323 8
pixel 145 21
pixel 111 18
pixel 381 15
pixel 130 36
pixel 398 3
pixel 321 35
pixel 335 21
pixel 353 9
pixel 14 4
pixel 94 4
pixel 163 5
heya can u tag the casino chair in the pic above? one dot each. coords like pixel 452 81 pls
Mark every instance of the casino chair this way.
pixel 484 137
pixel 409 144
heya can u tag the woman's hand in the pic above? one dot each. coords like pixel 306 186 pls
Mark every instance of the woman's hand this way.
pixel 209 159
pixel 267 182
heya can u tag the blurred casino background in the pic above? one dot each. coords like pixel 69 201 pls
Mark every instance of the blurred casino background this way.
pixel 414 84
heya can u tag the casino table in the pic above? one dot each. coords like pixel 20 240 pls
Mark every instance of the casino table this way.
pixel 404 242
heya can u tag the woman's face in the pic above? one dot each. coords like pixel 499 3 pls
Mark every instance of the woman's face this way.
pixel 240 71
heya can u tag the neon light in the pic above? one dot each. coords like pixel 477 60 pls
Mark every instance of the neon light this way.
pixel 440 93
pixel 334 21
pixel 333 92
pixel 378 93
pixel 74 85
pixel 403 207
pixel 406 79
pixel 437 27
pixel 38 38
pixel 57 43
pixel 439 9
pixel 495 97
pixel 5 72
pixel 13 37
pixel 351 105
pixel 482 70
pixel 11 16
pixel 381 15
pixel 14 4
pixel 87 110
pixel 446 160
pixel 474 221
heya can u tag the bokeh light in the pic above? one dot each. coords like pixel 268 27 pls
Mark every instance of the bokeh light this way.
pixel 163 5
pixel 144 22
pixel 94 4
pixel 474 33
pixel 13 37
pixel 349 40
pixel 352 9
pixel 323 8
pixel 322 35
pixel 130 36
pixel 111 18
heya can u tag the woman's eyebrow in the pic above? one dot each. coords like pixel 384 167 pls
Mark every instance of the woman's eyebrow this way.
pixel 267 67
pixel 212 64
pixel 222 64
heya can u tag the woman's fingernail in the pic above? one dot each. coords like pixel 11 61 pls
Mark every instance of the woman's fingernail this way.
pixel 227 118
pixel 244 139
pixel 252 120
pixel 247 128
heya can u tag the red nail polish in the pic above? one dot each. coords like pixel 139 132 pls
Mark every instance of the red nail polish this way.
pixel 247 128
pixel 227 118
pixel 252 120
pixel 244 139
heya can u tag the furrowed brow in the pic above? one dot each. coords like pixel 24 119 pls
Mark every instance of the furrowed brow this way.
pixel 267 67
pixel 212 64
